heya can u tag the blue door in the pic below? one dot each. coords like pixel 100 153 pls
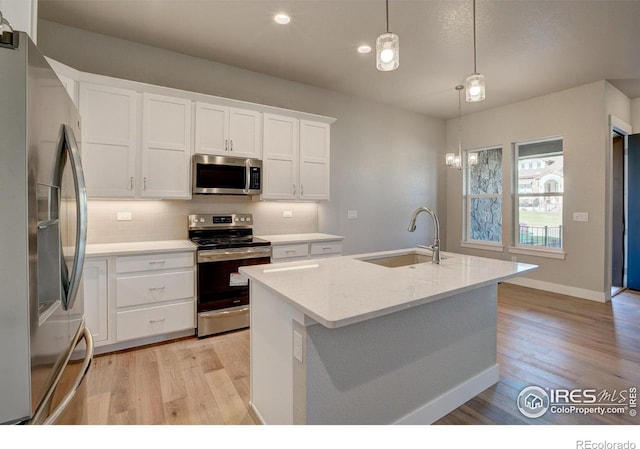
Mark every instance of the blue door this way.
pixel 633 231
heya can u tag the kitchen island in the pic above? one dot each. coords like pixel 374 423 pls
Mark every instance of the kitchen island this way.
pixel 378 338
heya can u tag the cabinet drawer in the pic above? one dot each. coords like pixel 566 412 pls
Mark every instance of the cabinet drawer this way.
pixel 126 264
pixel 149 321
pixel 153 288
pixel 321 248
pixel 286 251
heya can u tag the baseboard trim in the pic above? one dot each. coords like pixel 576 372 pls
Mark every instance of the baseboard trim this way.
pixel 255 414
pixel 591 295
pixel 452 399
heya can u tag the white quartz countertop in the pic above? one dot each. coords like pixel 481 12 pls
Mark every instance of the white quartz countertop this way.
pixel 344 290
pixel 299 238
pixel 159 246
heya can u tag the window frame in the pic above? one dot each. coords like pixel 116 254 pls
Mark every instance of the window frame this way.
pixel 467 241
pixel 517 247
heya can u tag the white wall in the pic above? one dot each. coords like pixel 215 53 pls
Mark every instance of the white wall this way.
pixel 578 115
pixel 384 161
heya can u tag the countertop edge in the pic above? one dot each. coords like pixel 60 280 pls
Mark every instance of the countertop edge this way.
pixel 145 247
pixel 284 239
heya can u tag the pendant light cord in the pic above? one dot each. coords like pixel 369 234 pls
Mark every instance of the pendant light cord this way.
pixel 459 89
pixel 475 68
pixel 387 3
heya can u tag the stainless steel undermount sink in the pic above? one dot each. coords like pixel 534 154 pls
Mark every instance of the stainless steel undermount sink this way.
pixel 400 260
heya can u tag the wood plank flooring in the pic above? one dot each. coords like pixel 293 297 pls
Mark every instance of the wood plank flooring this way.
pixel 544 339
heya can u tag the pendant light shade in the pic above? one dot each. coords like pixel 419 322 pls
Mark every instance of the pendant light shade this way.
pixel 474 85
pixel 387 49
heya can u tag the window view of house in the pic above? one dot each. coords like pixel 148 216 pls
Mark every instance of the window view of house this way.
pixel 540 187
pixel 484 197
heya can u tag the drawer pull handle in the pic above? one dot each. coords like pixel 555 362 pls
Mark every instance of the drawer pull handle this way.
pixel 157 262
pixel 155 289
pixel 291 251
pixel 157 321
pixel 326 248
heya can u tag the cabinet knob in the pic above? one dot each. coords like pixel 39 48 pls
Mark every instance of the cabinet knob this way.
pixel 144 184
pixel 231 145
pixel 301 189
pixel 131 183
pixel 294 189
pixel 226 144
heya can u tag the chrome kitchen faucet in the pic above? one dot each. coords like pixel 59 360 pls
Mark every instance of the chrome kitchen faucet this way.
pixel 436 226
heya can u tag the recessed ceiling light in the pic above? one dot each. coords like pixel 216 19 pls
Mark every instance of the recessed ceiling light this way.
pixel 364 49
pixel 282 18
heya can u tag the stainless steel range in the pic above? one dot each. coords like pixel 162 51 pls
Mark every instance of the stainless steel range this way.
pixel 225 243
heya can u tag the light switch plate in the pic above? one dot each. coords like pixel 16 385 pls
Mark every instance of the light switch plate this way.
pixel 351 214
pixel 124 216
pixel 580 216
pixel 287 213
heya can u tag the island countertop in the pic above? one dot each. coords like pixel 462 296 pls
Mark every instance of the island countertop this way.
pixel 344 290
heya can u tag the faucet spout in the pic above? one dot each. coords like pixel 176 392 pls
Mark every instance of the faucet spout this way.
pixel 435 247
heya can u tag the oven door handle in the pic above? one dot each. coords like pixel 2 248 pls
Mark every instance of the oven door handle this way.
pixel 224 313
pixel 219 255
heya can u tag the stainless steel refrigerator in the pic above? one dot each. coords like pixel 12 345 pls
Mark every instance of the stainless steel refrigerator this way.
pixel 43 223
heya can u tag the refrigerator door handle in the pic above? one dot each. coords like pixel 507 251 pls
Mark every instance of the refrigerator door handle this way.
pixel 68 143
pixel 51 417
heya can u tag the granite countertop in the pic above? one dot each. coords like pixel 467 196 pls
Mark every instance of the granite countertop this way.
pixel 300 238
pixel 159 246
pixel 344 290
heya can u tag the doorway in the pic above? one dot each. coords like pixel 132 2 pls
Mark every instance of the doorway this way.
pixel 633 212
pixel 618 221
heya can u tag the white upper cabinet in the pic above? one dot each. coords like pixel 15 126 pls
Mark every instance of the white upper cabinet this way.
pixel 166 147
pixel 280 157
pixel 296 159
pixel 109 140
pixel 314 160
pixel 228 131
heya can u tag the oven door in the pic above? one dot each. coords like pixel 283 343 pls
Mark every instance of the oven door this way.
pixel 223 293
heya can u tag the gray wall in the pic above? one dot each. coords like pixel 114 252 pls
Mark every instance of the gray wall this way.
pixel 579 116
pixel 385 162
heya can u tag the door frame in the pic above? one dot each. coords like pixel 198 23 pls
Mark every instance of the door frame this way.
pixel 622 128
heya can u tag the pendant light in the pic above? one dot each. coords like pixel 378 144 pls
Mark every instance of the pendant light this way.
pixel 475 82
pixel 455 160
pixel 387 49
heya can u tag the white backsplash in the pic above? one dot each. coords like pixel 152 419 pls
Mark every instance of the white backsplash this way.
pixel 167 219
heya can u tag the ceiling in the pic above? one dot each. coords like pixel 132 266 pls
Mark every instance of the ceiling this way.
pixel 524 48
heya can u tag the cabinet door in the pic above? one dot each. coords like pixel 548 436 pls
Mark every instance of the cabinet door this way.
pixel 280 157
pixel 245 133
pixel 314 160
pixel 211 129
pixel 109 140
pixel 166 147
pixel 94 277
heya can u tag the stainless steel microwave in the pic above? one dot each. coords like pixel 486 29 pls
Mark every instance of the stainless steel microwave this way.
pixel 223 175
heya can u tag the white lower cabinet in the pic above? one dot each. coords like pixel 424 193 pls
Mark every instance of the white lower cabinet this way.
pixel 96 298
pixel 130 299
pixel 290 252
pixel 155 294
pixel 146 321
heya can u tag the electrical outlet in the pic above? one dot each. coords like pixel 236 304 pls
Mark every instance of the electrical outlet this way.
pixel 287 213
pixel 124 216
pixel 351 214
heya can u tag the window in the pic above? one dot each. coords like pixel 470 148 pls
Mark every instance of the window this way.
pixel 484 197
pixel 538 198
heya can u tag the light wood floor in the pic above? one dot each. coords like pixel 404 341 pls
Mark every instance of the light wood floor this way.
pixel 544 339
